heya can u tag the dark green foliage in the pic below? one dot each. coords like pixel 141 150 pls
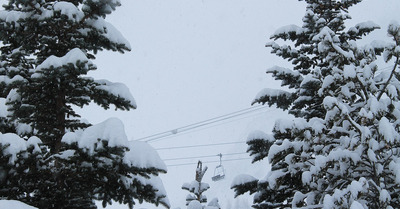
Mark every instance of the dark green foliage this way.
pixel 46 53
pixel 250 187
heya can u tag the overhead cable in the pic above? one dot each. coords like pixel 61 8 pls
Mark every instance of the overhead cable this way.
pixel 210 126
pixel 200 145
pixel 202 123
pixel 215 161
pixel 204 156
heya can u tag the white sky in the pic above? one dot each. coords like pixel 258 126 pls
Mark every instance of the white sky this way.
pixel 197 59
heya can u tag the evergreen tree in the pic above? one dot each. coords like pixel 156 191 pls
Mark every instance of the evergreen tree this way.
pixel 46 53
pixel 342 150
pixel 197 187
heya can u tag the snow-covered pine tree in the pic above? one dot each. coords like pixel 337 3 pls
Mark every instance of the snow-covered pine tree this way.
pixel 46 53
pixel 196 187
pixel 342 150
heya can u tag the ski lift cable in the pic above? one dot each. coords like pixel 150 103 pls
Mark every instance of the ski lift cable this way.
pixel 200 145
pixel 197 125
pixel 207 127
pixel 167 132
pixel 214 161
pixel 202 123
pixel 204 156
pixel 193 127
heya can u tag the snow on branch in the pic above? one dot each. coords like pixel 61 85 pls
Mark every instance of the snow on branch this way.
pixel 13 16
pixel 112 130
pixel 242 179
pixel 70 10
pixel 72 57
pixel 259 144
pixel 288 77
pixel 156 183
pixel 283 71
pixel 12 145
pixel 116 89
pixel 281 98
pixel 142 155
pixel 287 32
pixel 109 31
pixel 362 29
pixel 6 80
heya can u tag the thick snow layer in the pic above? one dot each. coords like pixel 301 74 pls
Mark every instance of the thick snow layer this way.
pixel 7 80
pixel 23 128
pixel 142 155
pixel 195 186
pixel 8 204
pixel 367 25
pixel 195 205
pixel 34 141
pixel 328 80
pixel 282 71
pixel 71 57
pixel 242 179
pixel 329 102
pixel 3 107
pixel 111 130
pixel 387 130
pixel 110 32
pixel 258 135
pixel 12 16
pixel 271 93
pixel 356 205
pixel 349 71
pixel 17 144
pixel 283 124
pixel 13 95
pixel 324 35
pixel 288 29
pixel 69 9
pixel 116 89
pixel 155 182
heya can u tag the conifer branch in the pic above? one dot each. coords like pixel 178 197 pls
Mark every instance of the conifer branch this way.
pixel 389 79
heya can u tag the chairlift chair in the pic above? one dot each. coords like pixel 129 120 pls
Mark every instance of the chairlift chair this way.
pixel 219 172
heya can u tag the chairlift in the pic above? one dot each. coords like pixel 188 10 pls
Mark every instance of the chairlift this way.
pixel 219 172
